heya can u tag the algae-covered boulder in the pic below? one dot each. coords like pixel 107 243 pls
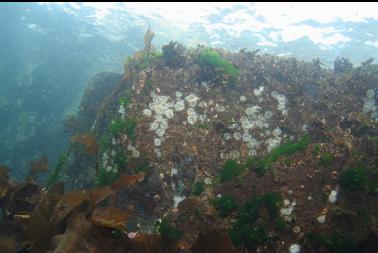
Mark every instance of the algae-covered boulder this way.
pixel 270 135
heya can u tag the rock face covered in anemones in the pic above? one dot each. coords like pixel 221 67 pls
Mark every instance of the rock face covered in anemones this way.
pixel 180 125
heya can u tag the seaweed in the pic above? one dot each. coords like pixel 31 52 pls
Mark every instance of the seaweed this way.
pixel 203 126
pixel 333 243
pixel 121 159
pixel 167 230
pixel 374 141
pixel 119 126
pixel 288 148
pixel 280 224
pixel 342 65
pixel 125 101
pixel 105 177
pixel 224 205
pixel 272 201
pixel 262 165
pixel 213 59
pixel 198 188
pixel 149 83
pixel 147 59
pixel 245 231
pixel 130 125
pixel 173 55
pixel 315 150
pixel 144 167
pixel 116 127
pixel 147 39
pixel 326 159
pixel 219 66
pixel 354 179
pixel 231 169
pixel 54 175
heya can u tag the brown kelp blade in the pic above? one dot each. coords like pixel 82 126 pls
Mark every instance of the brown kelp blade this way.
pixel 110 217
pixel 127 181
pixel 89 142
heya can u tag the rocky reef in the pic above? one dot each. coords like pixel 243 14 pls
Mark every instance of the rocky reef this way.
pixel 204 150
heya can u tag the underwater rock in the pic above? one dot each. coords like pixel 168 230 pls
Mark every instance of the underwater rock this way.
pixel 262 141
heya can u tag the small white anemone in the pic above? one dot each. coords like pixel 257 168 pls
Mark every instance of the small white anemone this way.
pixel 164 124
pixel 147 112
pixel 321 218
pixel 122 109
pixel 286 202
pixel 227 136
pixel 157 142
pixel 237 136
pixel 135 154
pixel 281 99
pixel 169 113
pixel 370 93
pixel 252 109
pixel 284 113
pixel 244 119
pixel 158 154
pixel 268 114
pixel 208 180
pixel 258 91
pixel 332 197
pixel 180 105
pixel 274 94
pixel 253 142
pixel 246 125
pixel 243 98
pixel 246 137
pixel 286 211
pixel 152 94
pixel 220 108
pixel 294 248
pixel 178 94
pixel 192 104
pixel 252 153
pixel 233 125
pixel 192 118
pixel 259 124
pixel 164 99
pixel 234 155
pixel 154 125
pixel 202 104
pixel 249 111
pixel 190 111
pixel 251 124
pixel 158 117
pixel 277 131
pixel 369 106
pixel 273 143
pixel 156 99
pixel 160 132
pixel 281 107
pixel 192 99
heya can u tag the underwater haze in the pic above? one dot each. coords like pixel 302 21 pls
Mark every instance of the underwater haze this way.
pixel 188 127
